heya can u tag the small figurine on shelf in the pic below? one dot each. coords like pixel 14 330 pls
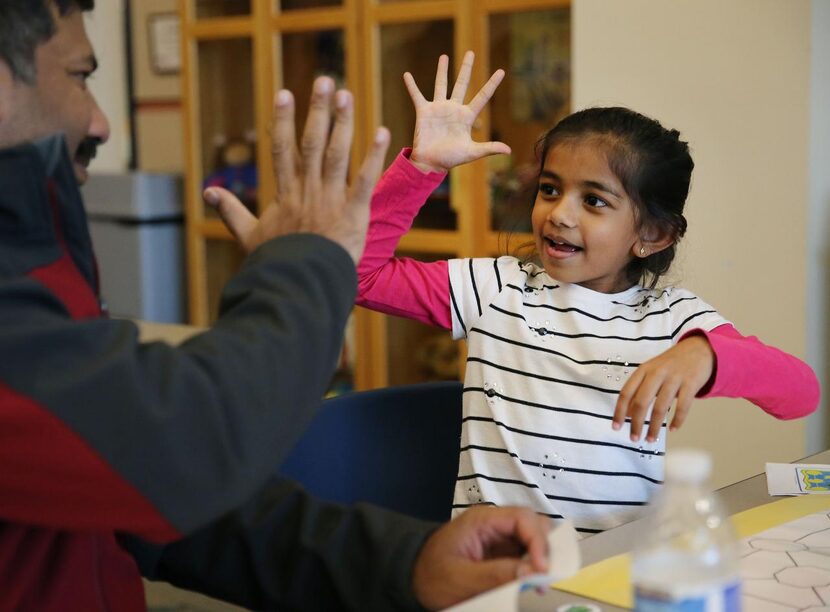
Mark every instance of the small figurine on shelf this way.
pixel 235 169
pixel 437 357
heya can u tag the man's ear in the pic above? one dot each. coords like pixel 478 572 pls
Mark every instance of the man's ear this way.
pixel 652 240
pixel 6 89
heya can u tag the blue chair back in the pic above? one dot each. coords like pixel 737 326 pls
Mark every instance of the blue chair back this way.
pixel 395 447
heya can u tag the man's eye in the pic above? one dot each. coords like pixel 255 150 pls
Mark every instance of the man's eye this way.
pixel 82 75
pixel 595 202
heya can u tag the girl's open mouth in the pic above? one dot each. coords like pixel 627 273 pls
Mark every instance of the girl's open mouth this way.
pixel 555 247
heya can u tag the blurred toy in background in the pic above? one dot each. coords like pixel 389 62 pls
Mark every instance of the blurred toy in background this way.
pixel 235 169
pixel 512 193
pixel 437 357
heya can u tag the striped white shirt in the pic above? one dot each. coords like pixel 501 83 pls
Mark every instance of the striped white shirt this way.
pixel 546 362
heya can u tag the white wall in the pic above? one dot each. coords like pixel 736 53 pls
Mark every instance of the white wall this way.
pixel 105 27
pixel 818 236
pixel 734 78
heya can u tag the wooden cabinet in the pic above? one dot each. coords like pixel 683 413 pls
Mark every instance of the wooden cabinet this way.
pixel 237 53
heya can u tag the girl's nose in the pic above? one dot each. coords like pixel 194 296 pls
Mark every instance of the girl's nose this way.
pixel 563 213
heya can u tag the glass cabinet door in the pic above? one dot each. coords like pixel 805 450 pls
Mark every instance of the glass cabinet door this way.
pixel 206 9
pixel 290 5
pixel 533 47
pixel 418 352
pixel 226 118
pixel 415 48
pixel 305 56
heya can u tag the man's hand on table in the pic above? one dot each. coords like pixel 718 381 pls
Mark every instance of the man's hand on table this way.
pixel 480 550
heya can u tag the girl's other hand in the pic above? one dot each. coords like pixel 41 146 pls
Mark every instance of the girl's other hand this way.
pixel 679 373
pixel 443 127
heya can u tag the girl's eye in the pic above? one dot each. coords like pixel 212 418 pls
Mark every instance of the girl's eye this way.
pixel 595 202
pixel 547 189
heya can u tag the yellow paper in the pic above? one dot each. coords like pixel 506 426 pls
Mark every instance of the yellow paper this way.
pixel 609 581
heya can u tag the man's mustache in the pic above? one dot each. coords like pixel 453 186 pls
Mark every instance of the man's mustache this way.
pixel 88 148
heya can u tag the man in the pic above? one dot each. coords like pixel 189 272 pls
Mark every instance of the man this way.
pixel 118 457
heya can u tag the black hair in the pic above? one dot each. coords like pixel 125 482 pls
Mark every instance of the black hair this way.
pixel 653 165
pixel 27 24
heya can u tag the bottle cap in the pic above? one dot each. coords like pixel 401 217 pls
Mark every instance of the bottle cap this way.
pixel 689 465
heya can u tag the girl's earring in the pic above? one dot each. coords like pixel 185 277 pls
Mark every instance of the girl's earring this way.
pixel 642 251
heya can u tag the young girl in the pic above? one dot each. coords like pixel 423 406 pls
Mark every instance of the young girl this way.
pixel 564 350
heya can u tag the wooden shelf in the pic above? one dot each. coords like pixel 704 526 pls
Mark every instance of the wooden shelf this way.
pixel 217 28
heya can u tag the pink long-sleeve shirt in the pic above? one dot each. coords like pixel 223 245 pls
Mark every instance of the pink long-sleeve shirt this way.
pixel 779 383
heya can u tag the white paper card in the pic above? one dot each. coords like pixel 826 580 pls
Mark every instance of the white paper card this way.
pixel 798 478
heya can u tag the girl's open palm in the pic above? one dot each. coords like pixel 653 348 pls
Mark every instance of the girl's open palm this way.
pixel 443 127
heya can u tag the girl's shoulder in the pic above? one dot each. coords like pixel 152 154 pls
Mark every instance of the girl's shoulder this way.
pixel 667 295
pixel 677 303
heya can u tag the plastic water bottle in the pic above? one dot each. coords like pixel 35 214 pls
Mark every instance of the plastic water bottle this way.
pixel 687 558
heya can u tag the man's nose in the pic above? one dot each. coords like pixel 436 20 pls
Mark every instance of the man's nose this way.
pixel 99 127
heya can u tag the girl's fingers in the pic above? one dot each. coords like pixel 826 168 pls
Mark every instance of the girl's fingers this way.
pixel 236 217
pixel 486 92
pixel 415 94
pixel 684 404
pixel 641 403
pixel 459 90
pixel 336 164
pixel 626 394
pixel 440 93
pixel 284 154
pixel 667 393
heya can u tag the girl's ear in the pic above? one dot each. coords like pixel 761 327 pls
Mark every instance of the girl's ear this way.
pixel 651 241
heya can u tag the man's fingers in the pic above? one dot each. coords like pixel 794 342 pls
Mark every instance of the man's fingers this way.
pixel 372 167
pixel 487 575
pixel 316 131
pixel 284 142
pixel 415 94
pixel 440 93
pixel 459 90
pixel 532 530
pixel 486 92
pixel 337 154
pixel 524 527
pixel 238 219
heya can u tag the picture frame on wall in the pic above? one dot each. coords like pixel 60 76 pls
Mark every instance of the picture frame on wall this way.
pixel 164 38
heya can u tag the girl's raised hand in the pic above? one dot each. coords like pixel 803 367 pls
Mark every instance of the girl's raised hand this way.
pixel 679 374
pixel 443 127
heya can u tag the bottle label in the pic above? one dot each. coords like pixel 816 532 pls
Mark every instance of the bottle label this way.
pixel 724 597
